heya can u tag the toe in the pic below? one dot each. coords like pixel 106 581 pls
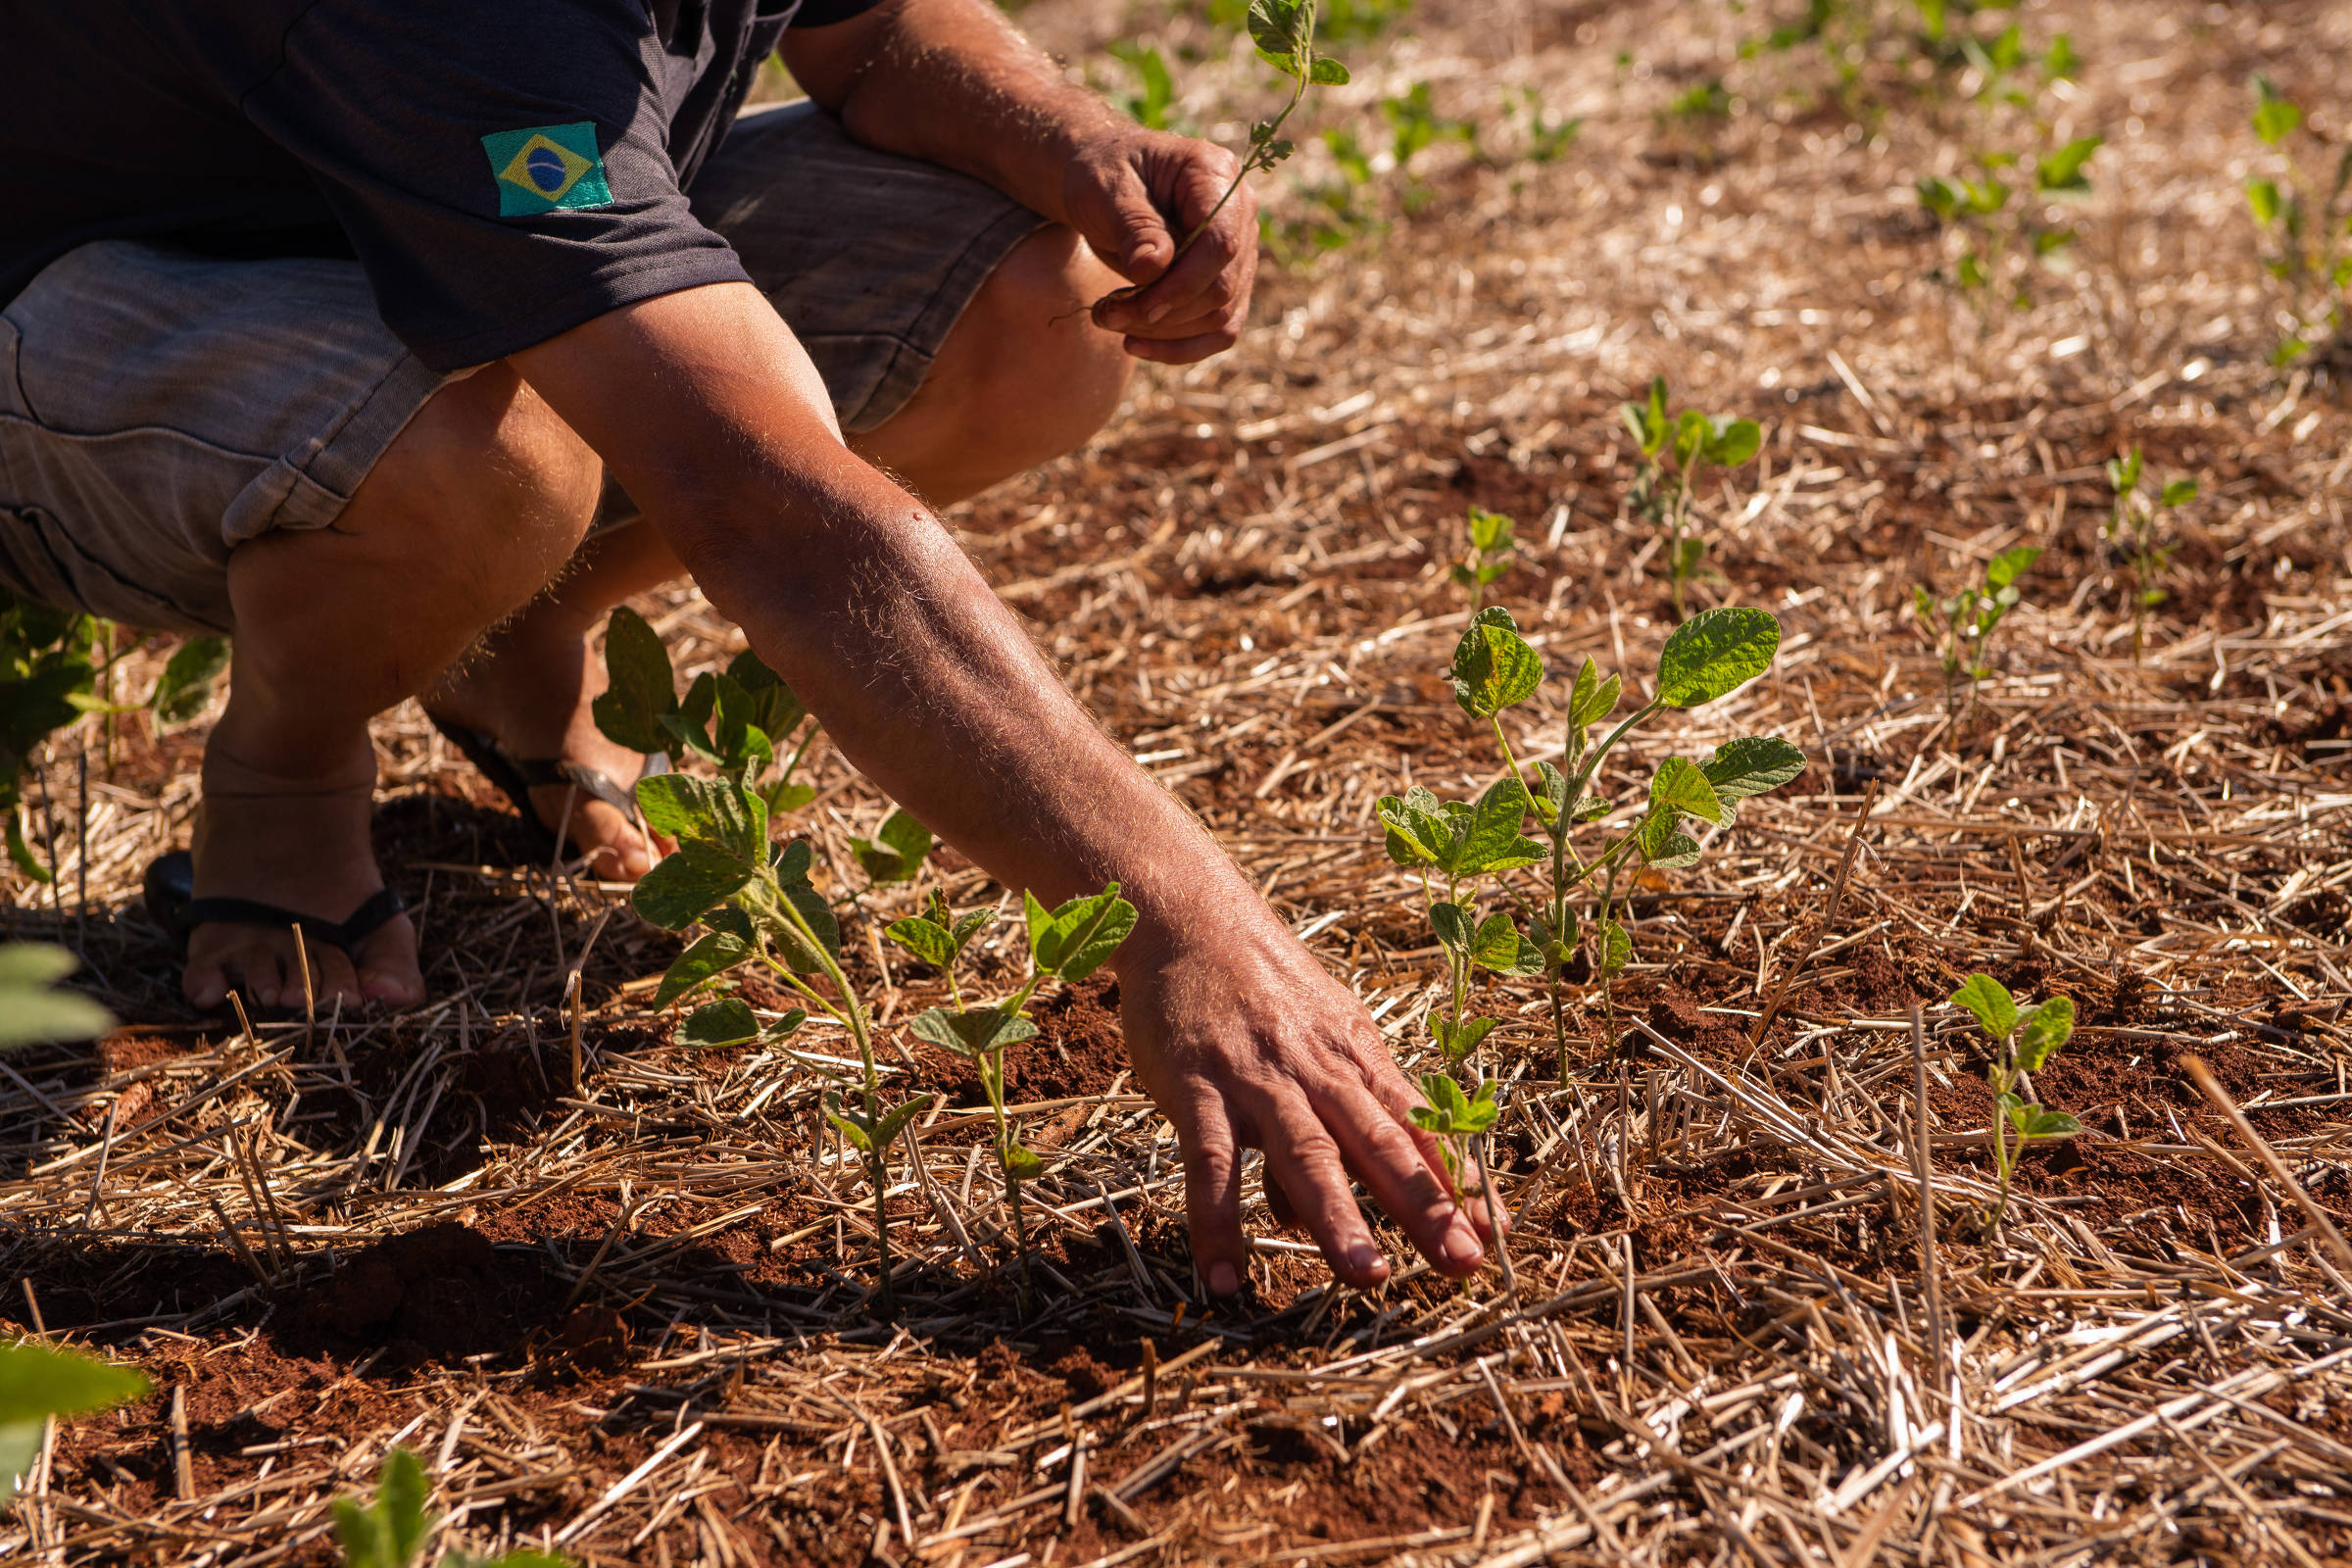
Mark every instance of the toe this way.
pixel 333 978
pixel 388 973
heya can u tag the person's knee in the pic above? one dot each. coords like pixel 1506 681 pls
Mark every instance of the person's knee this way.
pixel 1024 377
pixel 486 482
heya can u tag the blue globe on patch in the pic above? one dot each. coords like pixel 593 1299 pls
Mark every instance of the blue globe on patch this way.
pixel 545 169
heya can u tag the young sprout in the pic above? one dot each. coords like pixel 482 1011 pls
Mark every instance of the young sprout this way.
pixel 1689 440
pixel 1454 1119
pixel 2132 528
pixel 1283 32
pixel 1065 944
pixel 2021 1041
pixel 2311 233
pixel 394 1531
pixel 1994 227
pixel 754 899
pixel 1149 106
pixel 1961 628
pixel 1492 548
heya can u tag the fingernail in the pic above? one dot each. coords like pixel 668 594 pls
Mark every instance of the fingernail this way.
pixel 1462 1249
pixel 1222 1280
pixel 1152 317
pixel 1364 1260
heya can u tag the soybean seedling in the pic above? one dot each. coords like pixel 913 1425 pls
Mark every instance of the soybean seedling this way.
pixel 1283 32
pixel 38 1383
pixel 1066 944
pixel 1995 222
pixel 1961 626
pixel 1676 448
pixel 2022 1042
pixel 1492 548
pixel 754 899
pixel 2310 232
pixel 1454 1118
pixel 2132 528
pixel 1156 92
pixel 395 1530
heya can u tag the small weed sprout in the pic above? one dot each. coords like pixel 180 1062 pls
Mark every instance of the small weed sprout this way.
pixel 1961 626
pixel 1454 1118
pixel 2022 1042
pixel 1676 448
pixel 1492 549
pixel 394 1531
pixel 1065 944
pixel 2132 527
pixel 1283 32
pixel 2311 234
pixel 1155 91
pixel 754 899
pixel 38 1382
pixel 1544 140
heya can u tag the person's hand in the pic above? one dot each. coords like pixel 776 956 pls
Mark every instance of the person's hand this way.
pixel 1134 195
pixel 1244 1043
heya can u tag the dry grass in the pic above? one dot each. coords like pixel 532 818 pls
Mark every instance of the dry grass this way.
pixel 626 1315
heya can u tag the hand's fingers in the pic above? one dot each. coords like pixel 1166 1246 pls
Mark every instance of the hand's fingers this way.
pixel 1212 1199
pixel 1187 351
pixel 1401 1179
pixel 1215 272
pixel 1301 1156
pixel 1286 1214
pixel 1122 226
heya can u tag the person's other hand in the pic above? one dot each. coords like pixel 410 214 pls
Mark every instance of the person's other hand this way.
pixel 1134 196
pixel 1244 1043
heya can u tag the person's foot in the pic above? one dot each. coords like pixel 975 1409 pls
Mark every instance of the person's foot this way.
pixel 300 845
pixel 529 689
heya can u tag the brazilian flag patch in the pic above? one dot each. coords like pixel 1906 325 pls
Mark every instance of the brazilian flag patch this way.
pixel 546 167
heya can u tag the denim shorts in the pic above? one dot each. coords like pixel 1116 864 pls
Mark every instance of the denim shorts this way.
pixel 158 407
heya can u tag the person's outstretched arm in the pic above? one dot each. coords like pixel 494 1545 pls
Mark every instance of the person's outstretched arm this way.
pixel 708 412
pixel 953 82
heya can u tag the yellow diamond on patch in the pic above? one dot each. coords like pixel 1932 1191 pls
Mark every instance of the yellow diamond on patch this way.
pixel 545 167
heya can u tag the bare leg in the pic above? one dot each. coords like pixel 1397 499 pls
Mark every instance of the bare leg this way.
pixel 469 513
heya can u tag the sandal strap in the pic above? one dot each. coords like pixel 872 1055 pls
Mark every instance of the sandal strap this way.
pixel 362 922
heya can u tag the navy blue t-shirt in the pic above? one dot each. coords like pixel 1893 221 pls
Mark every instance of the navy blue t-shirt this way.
pixel 504 170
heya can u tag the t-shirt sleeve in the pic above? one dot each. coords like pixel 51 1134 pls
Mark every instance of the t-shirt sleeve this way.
pixel 503 170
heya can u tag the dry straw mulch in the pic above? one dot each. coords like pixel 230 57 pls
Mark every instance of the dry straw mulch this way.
pixel 615 1293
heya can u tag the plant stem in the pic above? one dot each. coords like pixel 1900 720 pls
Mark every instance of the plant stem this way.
pixel 992 1079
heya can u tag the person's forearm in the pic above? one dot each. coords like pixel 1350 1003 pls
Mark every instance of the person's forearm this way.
pixel 953 82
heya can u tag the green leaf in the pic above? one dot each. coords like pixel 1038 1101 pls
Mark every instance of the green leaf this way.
pixel 1327 72
pixel 1990 1001
pixel 712 955
pixel 1500 947
pixel 1732 442
pixel 31 1011
pixel 2275 119
pixel 1445 1096
pixel 2122 473
pixel 1681 787
pixel 791 941
pixel 1691 431
pixel 1023 1164
pixel 1456 1043
pixel 1749 767
pixel 895 851
pixel 38 1381
pixel 2010 564
pixel 852 1122
pixel 2044 1031
pixel 974 1032
pixel 719 1023
pixel 927 940
pixel 1490 532
pixel 1493 668
pixel 772 707
pixel 719 813
pixel 2050 1124
pixel 1616 948
pixel 1452 922
pixel 2062 170
pixel 2178 493
pixel 682 885
pixel 1553 798
pixel 894 1120
pixel 184 689
pixel 2262 195
pixel 1715 652
pixel 1079 937
pixel 391 1532
pixel 1664 845
pixel 1592 699
pixel 1413 826
pixel 19 852
pixel 642 689
pixel 1492 842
